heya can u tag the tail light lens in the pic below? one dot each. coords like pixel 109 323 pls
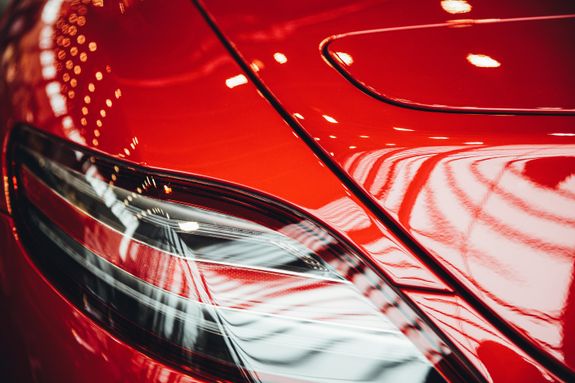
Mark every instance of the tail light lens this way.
pixel 220 282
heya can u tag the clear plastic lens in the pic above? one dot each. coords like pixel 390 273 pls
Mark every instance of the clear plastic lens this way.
pixel 222 283
pixel 186 231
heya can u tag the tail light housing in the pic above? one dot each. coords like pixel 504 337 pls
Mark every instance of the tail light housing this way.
pixel 224 283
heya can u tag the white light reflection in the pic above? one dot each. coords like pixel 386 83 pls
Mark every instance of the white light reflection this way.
pixel 110 199
pixel 189 226
pixel 57 101
pixel 329 119
pixel 50 11
pixel 67 122
pixel 476 202
pixel 234 81
pixel 280 58
pixel 482 61
pixel 456 6
pixel 47 59
pixel 562 134
pixel 344 57
pixel 257 65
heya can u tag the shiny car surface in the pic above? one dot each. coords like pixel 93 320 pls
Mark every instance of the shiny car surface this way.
pixel 287 191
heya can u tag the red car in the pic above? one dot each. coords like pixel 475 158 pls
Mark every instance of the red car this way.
pixel 287 191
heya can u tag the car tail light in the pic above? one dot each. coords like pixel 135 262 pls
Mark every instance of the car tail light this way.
pixel 223 283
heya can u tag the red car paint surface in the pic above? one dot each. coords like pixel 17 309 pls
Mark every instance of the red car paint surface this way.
pixel 465 65
pixel 477 191
pixel 489 197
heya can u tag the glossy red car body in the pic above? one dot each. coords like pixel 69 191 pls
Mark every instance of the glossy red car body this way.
pixel 437 136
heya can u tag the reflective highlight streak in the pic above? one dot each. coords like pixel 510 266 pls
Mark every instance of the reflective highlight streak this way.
pixel 345 58
pixel 329 119
pixel 482 61
pixel 238 80
pixel 280 58
pixel 456 7
pixel 282 300
pixel 520 200
pixel 189 226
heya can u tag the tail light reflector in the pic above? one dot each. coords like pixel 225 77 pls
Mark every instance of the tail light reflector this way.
pixel 221 282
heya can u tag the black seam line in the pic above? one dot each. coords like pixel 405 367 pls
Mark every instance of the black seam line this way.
pixel 324 48
pixel 548 361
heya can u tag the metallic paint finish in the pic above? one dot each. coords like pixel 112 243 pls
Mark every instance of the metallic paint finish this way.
pixel 177 113
pixel 159 90
pixel 446 67
pixel 350 125
pixel 144 94
pixel 483 345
